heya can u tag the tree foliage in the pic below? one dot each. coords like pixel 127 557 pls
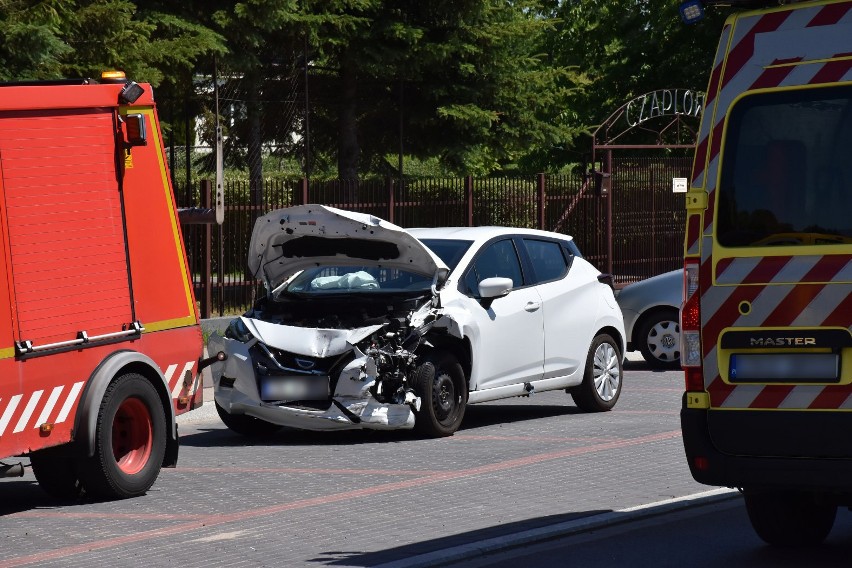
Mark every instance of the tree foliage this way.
pixel 476 85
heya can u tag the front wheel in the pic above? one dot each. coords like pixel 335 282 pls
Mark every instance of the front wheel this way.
pixel 788 518
pixel 602 380
pixel 130 440
pixel 440 383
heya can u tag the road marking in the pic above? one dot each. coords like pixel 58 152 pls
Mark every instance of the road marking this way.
pixel 221 519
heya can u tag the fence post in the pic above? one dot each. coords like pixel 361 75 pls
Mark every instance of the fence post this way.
pixel 391 200
pixel 206 248
pixel 468 199
pixel 541 197
pixel 303 189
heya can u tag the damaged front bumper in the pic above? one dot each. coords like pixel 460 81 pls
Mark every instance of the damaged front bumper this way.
pixel 242 385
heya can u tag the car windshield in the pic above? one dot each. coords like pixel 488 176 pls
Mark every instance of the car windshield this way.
pixel 448 250
pixel 354 279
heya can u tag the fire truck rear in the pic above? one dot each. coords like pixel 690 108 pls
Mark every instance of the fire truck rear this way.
pixel 765 324
pixel 100 342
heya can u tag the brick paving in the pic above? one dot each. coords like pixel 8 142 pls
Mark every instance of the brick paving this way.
pixel 367 498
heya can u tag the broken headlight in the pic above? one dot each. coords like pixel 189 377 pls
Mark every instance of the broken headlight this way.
pixel 237 330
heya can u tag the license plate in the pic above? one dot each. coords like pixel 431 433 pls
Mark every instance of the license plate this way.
pixel 784 368
pixel 294 388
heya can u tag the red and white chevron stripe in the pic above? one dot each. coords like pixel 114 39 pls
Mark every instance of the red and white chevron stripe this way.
pixel 29 410
pixel 27 417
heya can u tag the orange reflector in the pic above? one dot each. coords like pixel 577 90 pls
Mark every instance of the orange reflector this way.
pixel 46 427
pixel 183 400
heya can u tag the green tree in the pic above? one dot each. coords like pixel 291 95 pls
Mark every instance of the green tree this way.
pixel 629 47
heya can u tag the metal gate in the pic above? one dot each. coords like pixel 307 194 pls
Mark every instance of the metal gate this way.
pixel 636 153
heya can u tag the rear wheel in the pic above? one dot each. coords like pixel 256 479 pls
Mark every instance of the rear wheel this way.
pixel 602 380
pixel 789 518
pixel 247 425
pixel 56 472
pixel 130 440
pixel 659 340
pixel 440 383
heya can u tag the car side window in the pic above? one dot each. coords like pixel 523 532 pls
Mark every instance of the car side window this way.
pixel 547 259
pixel 497 259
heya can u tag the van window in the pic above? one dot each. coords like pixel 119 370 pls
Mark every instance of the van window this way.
pixel 787 169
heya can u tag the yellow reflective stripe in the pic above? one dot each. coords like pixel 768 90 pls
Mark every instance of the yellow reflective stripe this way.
pixel 808 61
pixel 7 353
pixel 169 324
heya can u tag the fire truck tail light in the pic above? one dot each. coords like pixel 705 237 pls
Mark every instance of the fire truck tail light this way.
pixel 694 379
pixel 691 349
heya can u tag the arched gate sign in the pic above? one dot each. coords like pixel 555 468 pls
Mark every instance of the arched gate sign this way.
pixel 636 182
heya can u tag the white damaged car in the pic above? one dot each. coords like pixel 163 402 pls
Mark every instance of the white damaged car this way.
pixel 367 325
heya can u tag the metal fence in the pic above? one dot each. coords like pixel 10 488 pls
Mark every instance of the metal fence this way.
pixel 641 236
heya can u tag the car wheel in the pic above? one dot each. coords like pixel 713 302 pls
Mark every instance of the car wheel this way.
pixel 130 440
pixel 786 518
pixel 56 472
pixel 659 339
pixel 602 380
pixel 440 383
pixel 247 425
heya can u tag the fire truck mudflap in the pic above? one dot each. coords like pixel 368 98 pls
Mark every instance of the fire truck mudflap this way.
pixel 100 342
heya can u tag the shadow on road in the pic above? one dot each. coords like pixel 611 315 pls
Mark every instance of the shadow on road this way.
pixel 354 558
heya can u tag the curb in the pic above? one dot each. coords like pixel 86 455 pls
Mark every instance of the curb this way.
pixel 567 528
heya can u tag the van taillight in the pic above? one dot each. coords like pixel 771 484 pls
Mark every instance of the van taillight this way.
pixel 690 317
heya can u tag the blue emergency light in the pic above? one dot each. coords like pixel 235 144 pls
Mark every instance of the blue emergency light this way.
pixel 691 11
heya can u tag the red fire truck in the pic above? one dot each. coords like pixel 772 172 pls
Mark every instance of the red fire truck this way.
pixel 100 342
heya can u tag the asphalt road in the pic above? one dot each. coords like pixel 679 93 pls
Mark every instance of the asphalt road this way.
pixel 708 536
pixel 518 466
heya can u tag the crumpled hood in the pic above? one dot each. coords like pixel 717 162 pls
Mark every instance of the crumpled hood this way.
pixel 288 240
pixel 309 341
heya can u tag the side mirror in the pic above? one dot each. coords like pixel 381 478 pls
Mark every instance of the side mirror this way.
pixel 492 288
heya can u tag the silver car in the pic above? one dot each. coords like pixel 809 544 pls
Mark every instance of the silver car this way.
pixel 651 318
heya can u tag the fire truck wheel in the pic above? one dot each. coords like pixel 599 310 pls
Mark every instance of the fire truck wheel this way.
pixel 789 519
pixel 440 383
pixel 130 440
pixel 602 380
pixel 248 426
pixel 56 473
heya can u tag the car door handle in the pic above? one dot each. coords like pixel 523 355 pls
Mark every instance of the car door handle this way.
pixel 532 306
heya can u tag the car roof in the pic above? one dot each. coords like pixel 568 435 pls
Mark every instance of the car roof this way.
pixel 480 234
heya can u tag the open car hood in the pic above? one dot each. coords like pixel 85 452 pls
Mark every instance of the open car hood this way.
pixel 289 240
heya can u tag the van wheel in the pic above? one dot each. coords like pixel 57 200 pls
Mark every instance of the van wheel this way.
pixel 56 472
pixel 248 426
pixel 130 440
pixel 602 380
pixel 789 518
pixel 659 340
pixel 440 383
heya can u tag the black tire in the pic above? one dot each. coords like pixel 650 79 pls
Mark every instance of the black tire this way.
pixel 55 469
pixel 603 377
pixel 130 440
pixel 658 339
pixel 789 519
pixel 248 426
pixel 440 383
